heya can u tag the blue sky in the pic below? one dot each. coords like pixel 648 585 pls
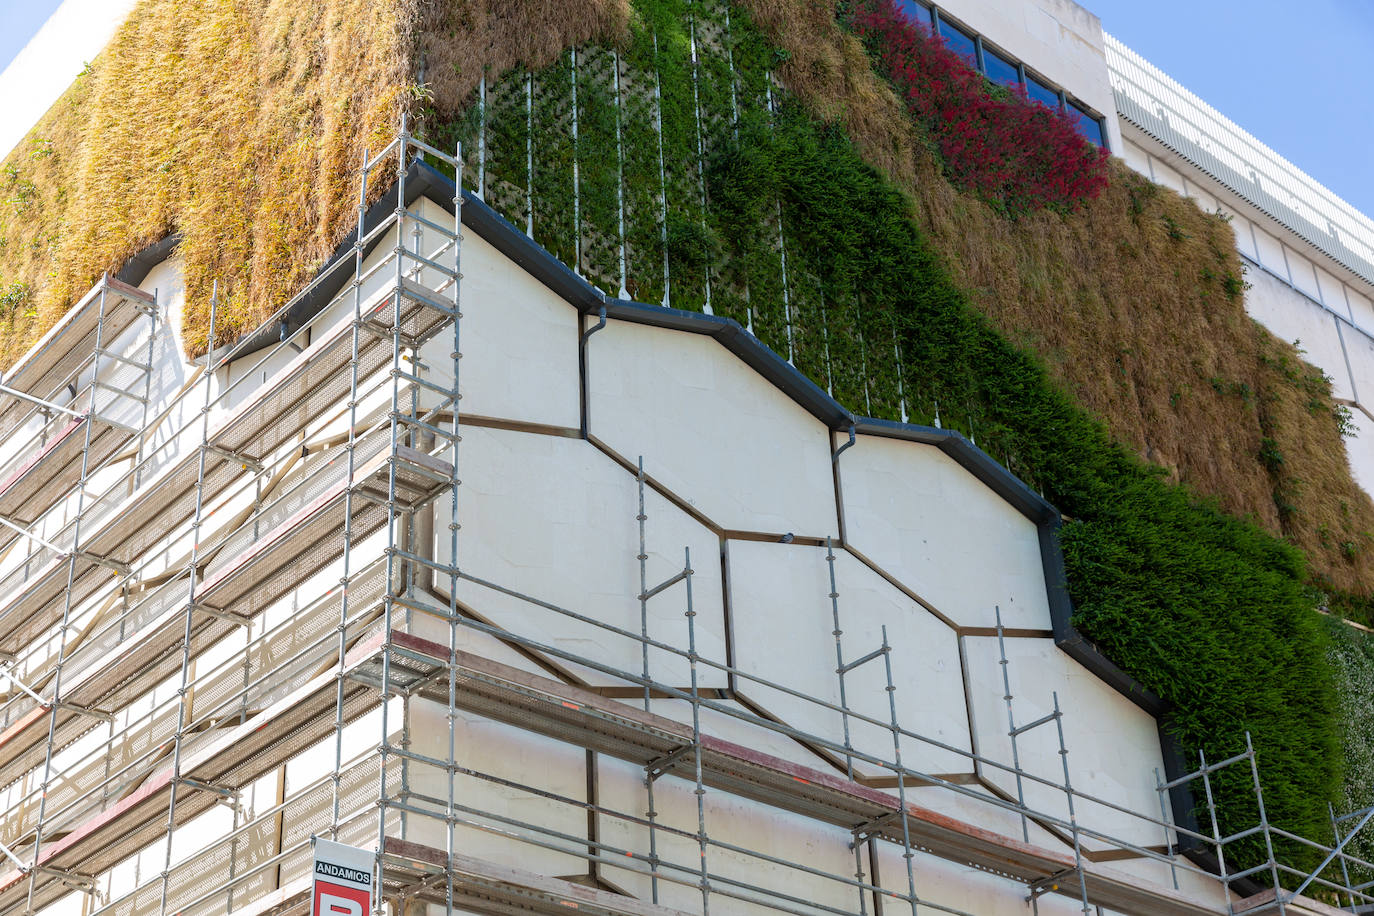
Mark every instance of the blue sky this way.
pixel 1295 75
pixel 1299 76
pixel 19 21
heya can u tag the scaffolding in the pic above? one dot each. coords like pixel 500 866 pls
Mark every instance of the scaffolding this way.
pixel 161 665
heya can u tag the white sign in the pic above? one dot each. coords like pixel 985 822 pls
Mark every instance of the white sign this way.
pixel 343 880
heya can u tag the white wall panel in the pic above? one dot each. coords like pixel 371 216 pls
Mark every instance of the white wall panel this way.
pixel 1271 253
pixel 1190 882
pixel 554 517
pixel 519 343
pixel 1136 158
pixel 1166 175
pixel 738 726
pixel 1360 348
pixel 1205 201
pixel 782 622
pixel 1359 450
pixel 942 533
pixel 509 753
pixel 743 823
pixel 1302 272
pixel 962 888
pixel 1119 770
pixel 1332 293
pixel 1245 238
pixel 711 429
pixel 1294 317
pixel 1361 309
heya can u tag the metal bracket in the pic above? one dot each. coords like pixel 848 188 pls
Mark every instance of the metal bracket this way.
pixel 876 653
pixel 870 829
pixel 230 616
pixel 227 455
pixel 121 568
pixel 1051 884
pixel 659 767
pixel 665 585
pixel 83 711
pixel 207 787
pixel 71 879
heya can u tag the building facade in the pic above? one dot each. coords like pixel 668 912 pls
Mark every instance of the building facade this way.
pixel 556 600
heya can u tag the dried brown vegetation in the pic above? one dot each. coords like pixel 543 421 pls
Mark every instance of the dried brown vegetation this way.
pixel 460 40
pixel 240 126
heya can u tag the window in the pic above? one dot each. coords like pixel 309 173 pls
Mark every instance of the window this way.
pixel 916 12
pixel 1004 71
pixel 1041 93
pixel 1088 125
pixel 959 43
pixel 1000 71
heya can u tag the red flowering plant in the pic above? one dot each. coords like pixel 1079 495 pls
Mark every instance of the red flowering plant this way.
pixel 1015 153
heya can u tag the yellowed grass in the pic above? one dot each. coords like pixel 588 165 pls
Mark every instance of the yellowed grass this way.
pixel 239 125
pixel 460 40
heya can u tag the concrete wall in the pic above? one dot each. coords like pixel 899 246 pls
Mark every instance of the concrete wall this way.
pixel 917 515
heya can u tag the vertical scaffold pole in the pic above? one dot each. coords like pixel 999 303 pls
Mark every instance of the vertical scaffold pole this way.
pixel 1164 819
pixel 643 558
pixel 1216 830
pixel 907 853
pixel 339 673
pixel 67 603
pixel 1264 827
pixel 147 390
pixel 840 670
pixel 1345 868
pixel 1073 816
pixel 696 733
pixel 1011 723
pixel 840 667
pixel 183 704
pixel 388 596
pixel 456 355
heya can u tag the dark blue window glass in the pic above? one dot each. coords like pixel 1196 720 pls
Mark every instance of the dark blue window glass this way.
pixel 1089 126
pixel 1041 93
pixel 916 12
pixel 959 43
pixel 999 70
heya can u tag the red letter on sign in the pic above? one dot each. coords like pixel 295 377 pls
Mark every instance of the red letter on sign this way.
pixel 336 900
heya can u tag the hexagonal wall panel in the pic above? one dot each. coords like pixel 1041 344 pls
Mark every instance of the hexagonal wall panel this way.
pixel 554 518
pixel 711 429
pixel 782 623
pixel 918 515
